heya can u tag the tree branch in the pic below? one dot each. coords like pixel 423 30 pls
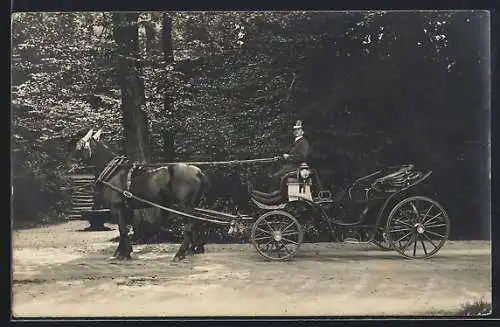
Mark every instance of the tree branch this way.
pixel 291 86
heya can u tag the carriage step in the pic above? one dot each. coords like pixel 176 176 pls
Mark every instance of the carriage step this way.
pixel 82 181
pixel 351 240
pixel 82 176
pixel 73 216
pixel 80 209
pixel 82 197
pixel 83 201
pixel 82 205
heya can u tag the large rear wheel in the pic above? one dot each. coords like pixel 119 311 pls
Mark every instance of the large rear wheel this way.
pixel 277 235
pixel 417 227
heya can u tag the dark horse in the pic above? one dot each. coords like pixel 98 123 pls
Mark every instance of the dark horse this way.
pixel 178 186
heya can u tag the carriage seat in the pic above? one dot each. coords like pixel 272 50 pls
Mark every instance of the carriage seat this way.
pixel 266 195
pixel 277 196
pixel 272 198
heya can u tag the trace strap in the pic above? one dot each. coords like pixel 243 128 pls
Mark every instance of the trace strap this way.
pixel 129 195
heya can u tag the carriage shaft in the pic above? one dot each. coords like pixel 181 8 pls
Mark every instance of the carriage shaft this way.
pixel 135 197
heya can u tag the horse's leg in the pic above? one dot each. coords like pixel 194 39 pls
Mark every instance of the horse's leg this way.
pixel 193 248
pixel 181 253
pixel 198 241
pixel 124 247
pixel 197 237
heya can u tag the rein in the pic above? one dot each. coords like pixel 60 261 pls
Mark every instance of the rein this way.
pixel 216 163
pixel 115 163
pixel 203 163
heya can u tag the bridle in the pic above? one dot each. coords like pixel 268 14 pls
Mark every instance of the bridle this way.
pixel 84 142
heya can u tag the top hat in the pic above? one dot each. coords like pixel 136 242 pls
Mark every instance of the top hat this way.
pixel 298 124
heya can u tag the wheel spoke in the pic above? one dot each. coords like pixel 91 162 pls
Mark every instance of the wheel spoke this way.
pixel 415 247
pixel 407 245
pixel 264 231
pixel 287 227
pixel 289 240
pixel 430 240
pixel 427 213
pixel 437 225
pixel 269 225
pixel 400 239
pixel 267 245
pixel 290 234
pixel 423 245
pixel 402 222
pixel 282 223
pixel 401 230
pixel 431 219
pixel 414 207
pixel 263 238
pixel 404 214
pixel 436 234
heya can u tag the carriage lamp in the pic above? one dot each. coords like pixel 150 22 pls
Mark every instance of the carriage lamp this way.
pixel 304 174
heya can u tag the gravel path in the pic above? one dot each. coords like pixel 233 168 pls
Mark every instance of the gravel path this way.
pixel 60 271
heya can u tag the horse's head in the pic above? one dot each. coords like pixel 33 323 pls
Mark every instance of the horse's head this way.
pixel 86 146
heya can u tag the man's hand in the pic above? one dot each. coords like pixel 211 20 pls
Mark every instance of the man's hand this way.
pixel 285 156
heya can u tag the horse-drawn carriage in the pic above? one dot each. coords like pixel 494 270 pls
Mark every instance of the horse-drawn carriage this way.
pixel 387 205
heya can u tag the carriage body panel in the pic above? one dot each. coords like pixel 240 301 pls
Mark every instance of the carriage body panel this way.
pixel 373 208
pixel 298 191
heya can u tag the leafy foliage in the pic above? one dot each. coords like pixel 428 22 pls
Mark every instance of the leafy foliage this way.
pixel 478 307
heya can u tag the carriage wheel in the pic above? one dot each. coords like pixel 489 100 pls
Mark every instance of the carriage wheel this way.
pixel 417 227
pixel 381 240
pixel 277 235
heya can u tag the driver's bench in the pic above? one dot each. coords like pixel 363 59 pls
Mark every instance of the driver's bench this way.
pixel 295 185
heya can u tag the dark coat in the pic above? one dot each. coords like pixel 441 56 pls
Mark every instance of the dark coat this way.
pixel 299 153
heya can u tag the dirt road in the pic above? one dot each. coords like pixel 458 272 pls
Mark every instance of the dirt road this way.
pixel 59 271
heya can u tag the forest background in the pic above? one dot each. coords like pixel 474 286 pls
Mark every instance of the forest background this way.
pixel 373 89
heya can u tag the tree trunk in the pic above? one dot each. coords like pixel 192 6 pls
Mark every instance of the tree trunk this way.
pixel 132 87
pixel 168 53
pixel 134 118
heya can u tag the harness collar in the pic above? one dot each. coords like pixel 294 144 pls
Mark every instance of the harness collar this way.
pixel 110 169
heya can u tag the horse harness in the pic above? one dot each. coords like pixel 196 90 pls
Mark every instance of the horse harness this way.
pixel 109 171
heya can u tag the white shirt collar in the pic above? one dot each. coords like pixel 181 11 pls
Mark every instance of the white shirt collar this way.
pixel 298 138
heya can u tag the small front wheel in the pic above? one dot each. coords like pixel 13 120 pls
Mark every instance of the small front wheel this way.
pixel 277 235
